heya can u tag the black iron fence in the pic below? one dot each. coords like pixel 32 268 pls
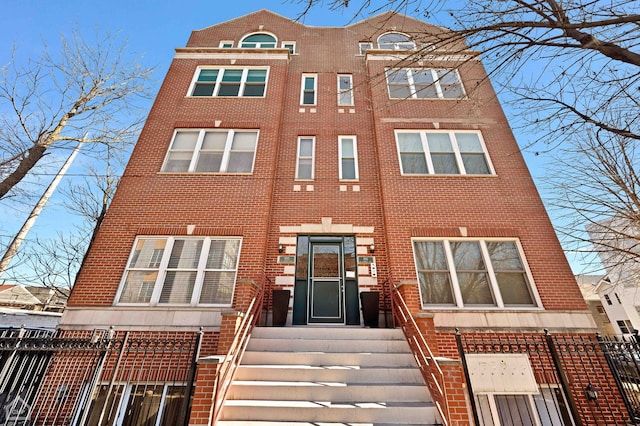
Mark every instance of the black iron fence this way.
pixel 581 379
pixel 48 378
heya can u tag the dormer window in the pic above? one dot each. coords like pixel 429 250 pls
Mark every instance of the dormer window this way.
pixel 396 41
pixel 259 41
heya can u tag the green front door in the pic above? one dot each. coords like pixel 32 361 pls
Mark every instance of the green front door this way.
pixel 326 285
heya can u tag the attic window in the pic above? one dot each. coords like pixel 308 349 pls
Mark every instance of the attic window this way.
pixel 396 41
pixel 259 41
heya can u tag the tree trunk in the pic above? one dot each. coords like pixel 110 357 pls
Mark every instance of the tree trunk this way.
pixel 34 155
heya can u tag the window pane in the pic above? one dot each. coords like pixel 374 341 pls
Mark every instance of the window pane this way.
pixel 178 287
pixel 469 142
pixel 409 142
pixel 227 89
pixel 143 405
pixel 424 84
pixel 208 75
pixel 256 76
pixel 471 272
pixel 148 253
pixel 475 288
pixel 178 162
pixel 203 89
pixel 309 98
pixel 240 162
pixel 214 140
pixel 444 164
pixel 439 142
pixel 138 287
pixel 344 82
pixel 398 76
pixel 430 255
pixel 209 162
pixel 475 164
pixel 217 287
pixel 260 38
pixel 514 410
pixel 185 141
pixel 306 147
pixel 484 411
pixel 223 254
pixel 414 164
pixel 504 256
pixel 348 168
pixel 305 168
pixel 253 90
pixel 185 254
pixel 244 141
pixel 514 288
pixel 399 92
pixel 551 407
pixel 309 83
pixel 467 256
pixel 232 76
pixel 435 288
pixel 347 147
pixel 173 400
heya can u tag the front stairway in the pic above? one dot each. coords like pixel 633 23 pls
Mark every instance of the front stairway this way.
pixel 307 376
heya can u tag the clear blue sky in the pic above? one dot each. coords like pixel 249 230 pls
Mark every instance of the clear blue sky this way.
pixel 152 30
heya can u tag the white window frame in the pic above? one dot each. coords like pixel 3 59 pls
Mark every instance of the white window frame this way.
pixel 163 268
pixel 315 89
pixel 437 85
pixel 456 151
pixel 285 45
pixel 218 83
pixel 259 44
pixel 363 46
pixel 223 42
pixel 458 302
pixel 355 157
pixel 530 398
pixel 396 45
pixel 121 404
pixel 312 158
pixel 224 164
pixel 348 91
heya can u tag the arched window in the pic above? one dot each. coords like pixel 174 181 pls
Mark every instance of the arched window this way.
pixel 396 41
pixel 259 41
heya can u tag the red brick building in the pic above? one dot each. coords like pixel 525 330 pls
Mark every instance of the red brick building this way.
pixel 332 162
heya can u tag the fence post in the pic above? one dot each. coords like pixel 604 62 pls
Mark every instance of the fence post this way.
pixel 192 377
pixel 467 377
pixel 563 378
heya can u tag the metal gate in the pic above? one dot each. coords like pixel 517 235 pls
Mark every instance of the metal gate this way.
pixel 105 378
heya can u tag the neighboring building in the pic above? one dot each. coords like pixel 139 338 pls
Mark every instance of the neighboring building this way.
pixel 588 285
pixel 329 162
pixel 621 304
pixel 32 298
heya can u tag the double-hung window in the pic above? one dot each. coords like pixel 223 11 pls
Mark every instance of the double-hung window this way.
pixel 348 153
pixel 309 89
pixel 424 83
pixel 547 408
pixel 211 151
pixel 439 152
pixel 345 90
pixel 230 82
pixel 468 273
pixel 305 163
pixel 181 271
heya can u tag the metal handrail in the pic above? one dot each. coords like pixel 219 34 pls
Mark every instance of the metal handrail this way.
pixel 427 363
pixel 229 365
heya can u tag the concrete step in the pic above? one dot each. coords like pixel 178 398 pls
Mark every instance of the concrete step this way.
pixel 328 333
pixel 352 359
pixel 335 374
pixel 326 391
pixel 327 411
pixel 317 345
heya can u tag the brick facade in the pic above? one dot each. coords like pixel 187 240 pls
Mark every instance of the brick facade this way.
pixel 268 208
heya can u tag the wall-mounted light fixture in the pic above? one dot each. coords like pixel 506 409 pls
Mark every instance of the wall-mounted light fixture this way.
pixel 372 248
pixel 591 392
pixel 280 248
